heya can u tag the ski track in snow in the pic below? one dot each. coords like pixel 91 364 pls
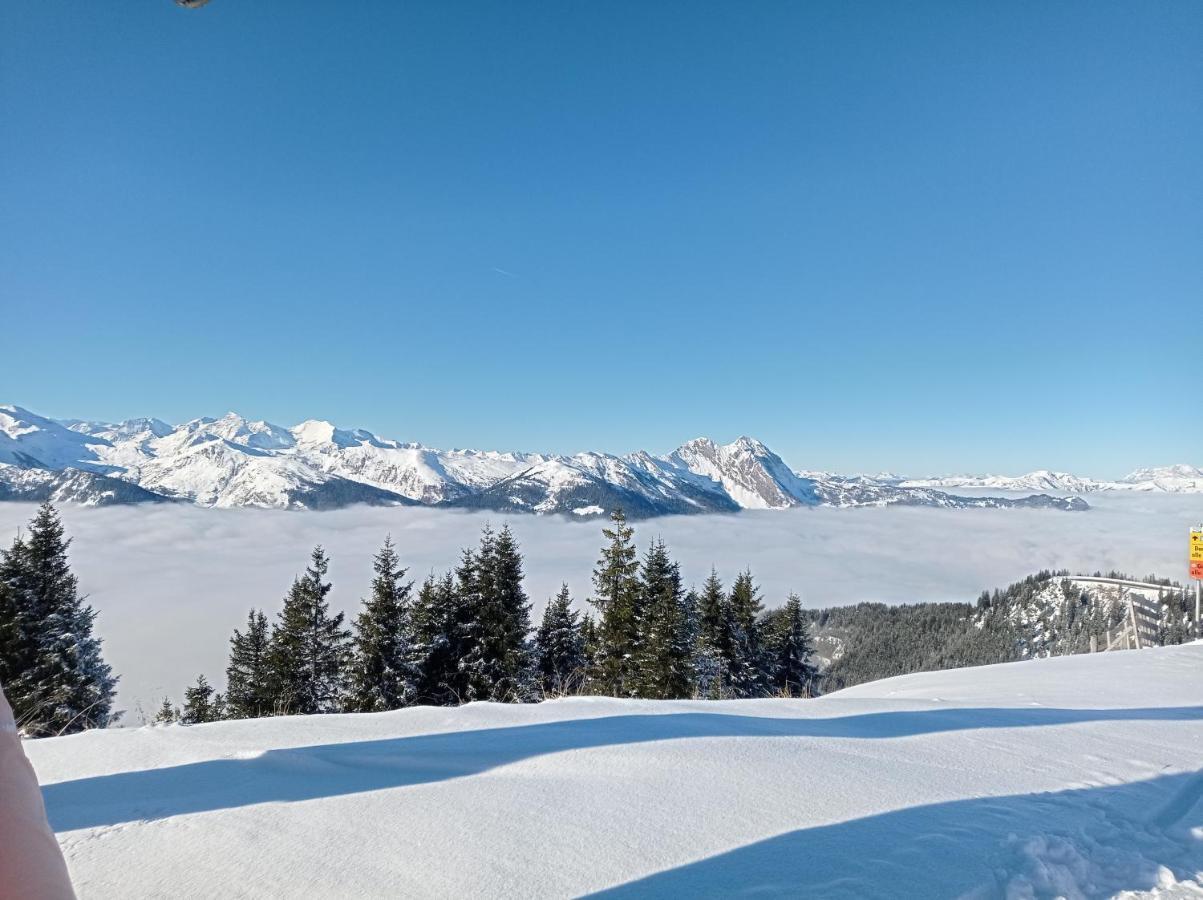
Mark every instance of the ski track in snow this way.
pixel 1076 777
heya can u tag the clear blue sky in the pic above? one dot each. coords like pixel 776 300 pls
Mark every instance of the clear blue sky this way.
pixel 924 236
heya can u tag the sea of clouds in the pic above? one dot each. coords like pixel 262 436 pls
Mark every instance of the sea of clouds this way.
pixel 171 582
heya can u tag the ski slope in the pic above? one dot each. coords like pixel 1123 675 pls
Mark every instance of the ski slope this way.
pixel 1077 777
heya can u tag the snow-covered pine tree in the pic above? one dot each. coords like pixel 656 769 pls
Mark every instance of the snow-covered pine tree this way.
pixel 790 648
pixel 56 678
pixel 248 687
pixel 167 713
pixel 559 647
pixel 616 587
pixel 747 664
pixel 198 703
pixel 309 650
pixel 382 673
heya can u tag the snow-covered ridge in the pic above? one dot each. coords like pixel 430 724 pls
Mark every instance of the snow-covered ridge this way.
pixel 1076 777
pixel 234 461
pixel 1180 479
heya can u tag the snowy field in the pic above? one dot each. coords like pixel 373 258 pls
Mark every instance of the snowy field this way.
pixel 1077 777
pixel 171 583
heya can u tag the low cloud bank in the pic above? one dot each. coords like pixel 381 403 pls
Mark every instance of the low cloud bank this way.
pixel 172 582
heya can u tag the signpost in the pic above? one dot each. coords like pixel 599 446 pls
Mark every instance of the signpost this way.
pixel 1196 572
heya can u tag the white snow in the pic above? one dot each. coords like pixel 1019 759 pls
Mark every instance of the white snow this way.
pixel 234 461
pixel 1072 777
pixel 1178 479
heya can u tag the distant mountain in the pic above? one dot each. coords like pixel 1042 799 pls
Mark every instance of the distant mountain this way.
pixel 1167 479
pixel 232 461
pixel 69 486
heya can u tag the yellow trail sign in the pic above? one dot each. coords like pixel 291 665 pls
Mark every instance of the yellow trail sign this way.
pixel 1196 546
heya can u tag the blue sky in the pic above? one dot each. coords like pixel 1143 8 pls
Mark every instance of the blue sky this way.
pixel 923 236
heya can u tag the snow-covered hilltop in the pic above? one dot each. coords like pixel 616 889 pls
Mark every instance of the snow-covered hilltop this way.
pixel 232 461
pixel 1075 777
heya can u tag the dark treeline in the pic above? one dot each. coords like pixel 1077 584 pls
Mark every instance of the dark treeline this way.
pixel 467 635
pixel 50 662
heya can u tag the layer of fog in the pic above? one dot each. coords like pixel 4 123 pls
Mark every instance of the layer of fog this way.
pixel 171 582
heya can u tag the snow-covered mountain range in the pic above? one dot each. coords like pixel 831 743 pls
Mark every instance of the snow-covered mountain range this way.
pixel 232 461
pixel 1180 479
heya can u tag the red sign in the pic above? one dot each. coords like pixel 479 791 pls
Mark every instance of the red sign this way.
pixel 1196 570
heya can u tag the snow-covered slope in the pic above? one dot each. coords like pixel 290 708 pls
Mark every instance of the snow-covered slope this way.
pixel 1180 479
pixel 754 476
pixel 1041 480
pixel 232 461
pixel 69 486
pixel 1076 777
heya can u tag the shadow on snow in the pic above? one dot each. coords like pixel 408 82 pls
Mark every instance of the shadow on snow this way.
pixel 330 770
pixel 1089 842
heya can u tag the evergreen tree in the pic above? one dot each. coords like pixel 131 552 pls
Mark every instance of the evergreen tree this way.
pixel 746 663
pixel 308 654
pixel 474 671
pixel 505 618
pixel 616 587
pixel 249 689
pixel 382 675
pixel 664 649
pixel 50 661
pixel 167 713
pixel 591 653
pixel 790 648
pixel 560 646
pixel 198 704
pixel 437 618
pixel 715 643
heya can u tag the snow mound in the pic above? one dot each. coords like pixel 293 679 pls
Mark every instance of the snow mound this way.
pixel 1076 776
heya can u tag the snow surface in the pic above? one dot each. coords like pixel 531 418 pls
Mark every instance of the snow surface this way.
pixel 1076 777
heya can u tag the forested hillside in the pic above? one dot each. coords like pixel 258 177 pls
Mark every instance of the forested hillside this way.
pixel 1045 614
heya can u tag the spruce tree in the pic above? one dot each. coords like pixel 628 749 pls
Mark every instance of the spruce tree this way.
pixel 747 664
pixel 716 640
pixel 52 670
pixel 198 703
pixel 591 653
pixel 616 597
pixel 663 652
pixel 505 618
pixel 474 670
pixel 248 687
pixel 308 655
pixel 560 647
pixel 167 713
pixel 437 616
pixel 790 649
pixel 382 674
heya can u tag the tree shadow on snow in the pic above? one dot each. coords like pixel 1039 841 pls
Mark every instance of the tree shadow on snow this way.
pixel 1090 842
pixel 330 770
